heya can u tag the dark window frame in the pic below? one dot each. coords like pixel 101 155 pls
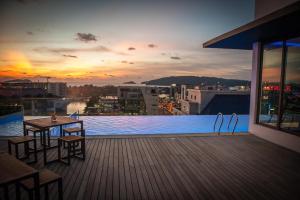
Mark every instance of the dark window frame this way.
pixel 282 80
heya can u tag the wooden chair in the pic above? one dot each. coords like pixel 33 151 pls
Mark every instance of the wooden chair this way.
pixel 46 177
pixel 72 151
pixel 27 150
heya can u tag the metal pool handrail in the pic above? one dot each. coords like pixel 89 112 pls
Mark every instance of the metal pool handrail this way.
pixel 236 121
pixel 222 119
pixel 75 115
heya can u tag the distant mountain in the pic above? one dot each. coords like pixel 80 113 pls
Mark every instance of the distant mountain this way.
pixel 18 81
pixel 129 82
pixel 196 80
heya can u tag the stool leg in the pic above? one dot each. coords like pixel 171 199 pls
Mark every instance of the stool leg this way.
pixel 64 134
pixel 60 189
pixel 30 194
pixel 69 153
pixel 18 191
pixel 83 148
pixel 26 149
pixel 6 194
pixel 41 138
pixel 48 138
pixel 46 192
pixel 35 150
pixel 73 148
pixel 17 151
pixel 9 147
pixel 59 149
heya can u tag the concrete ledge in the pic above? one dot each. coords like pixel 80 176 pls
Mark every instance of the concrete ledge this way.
pixel 281 138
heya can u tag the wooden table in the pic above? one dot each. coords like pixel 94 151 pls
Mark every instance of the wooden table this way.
pixel 13 170
pixel 46 123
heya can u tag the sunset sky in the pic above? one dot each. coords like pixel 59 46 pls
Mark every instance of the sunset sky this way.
pixel 110 42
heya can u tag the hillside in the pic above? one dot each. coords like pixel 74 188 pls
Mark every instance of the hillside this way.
pixel 195 80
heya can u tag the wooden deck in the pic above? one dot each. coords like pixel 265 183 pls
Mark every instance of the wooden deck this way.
pixel 224 167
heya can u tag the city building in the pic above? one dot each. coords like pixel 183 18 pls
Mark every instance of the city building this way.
pixel 207 101
pixel 274 38
pixel 138 99
pixel 29 88
pixel 109 104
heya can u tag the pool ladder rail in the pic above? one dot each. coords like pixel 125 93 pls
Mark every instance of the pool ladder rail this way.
pixel 233 116
pixel 222 119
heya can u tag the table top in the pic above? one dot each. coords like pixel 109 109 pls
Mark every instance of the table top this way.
pixel 12 169
pixel 47 122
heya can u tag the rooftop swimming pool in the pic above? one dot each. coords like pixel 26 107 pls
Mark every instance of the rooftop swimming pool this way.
pixel 129 125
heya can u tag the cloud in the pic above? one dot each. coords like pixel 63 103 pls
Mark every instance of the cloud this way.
pixel 152 45
pixel 123 61
pixel 29 33
pixel 25 1
pixel 110 75
pixel 74 50
pixel 131 63
pixel 70 56
pixel 86 37
pixel 175 57
pixel 131 49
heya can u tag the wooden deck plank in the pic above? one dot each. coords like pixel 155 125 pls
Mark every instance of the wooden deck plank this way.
pixel 163 173
pixel 127 172
pixel 225 167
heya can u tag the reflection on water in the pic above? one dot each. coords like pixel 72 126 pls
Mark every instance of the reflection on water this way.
pixel 46 106
pixel 76 106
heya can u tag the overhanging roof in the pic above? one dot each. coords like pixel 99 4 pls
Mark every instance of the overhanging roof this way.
pixel 281 24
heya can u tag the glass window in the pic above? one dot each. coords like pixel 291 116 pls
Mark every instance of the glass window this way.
pixel 291 94
pixel 270 83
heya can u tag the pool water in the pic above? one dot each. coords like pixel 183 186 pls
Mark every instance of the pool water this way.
pixel 124 125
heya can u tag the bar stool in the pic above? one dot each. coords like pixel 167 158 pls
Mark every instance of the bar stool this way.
pixel 71 142
pixel 72 130
pixel 76 130
pixel 46 177
pixel 36 131
pixel 26 141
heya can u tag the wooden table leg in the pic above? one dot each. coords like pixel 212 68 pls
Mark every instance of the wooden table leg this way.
pixel 60 130
pixel 24 129
pixel 35 150
pixel 18 191
pixel 6 194
pixel 81 126
pixel 36 185
pixel 60 189
pixel 44 146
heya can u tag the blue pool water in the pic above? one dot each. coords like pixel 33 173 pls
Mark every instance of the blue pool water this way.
pixel 118 125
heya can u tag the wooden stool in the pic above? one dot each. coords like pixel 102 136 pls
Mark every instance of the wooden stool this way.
pixel 46 177
pixel 71 142
pixel 36 131
pixel 76 130
pixel 23 140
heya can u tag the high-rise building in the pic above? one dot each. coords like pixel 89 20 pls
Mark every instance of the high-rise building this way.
pixel 138 99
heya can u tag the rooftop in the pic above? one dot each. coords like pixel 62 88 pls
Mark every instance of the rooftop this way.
pixel 179 167
pixel 278 25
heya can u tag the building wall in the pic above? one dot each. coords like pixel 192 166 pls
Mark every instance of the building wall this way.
pixel 264 7
pixel 278 137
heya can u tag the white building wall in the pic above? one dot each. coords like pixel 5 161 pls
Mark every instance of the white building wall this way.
pixel 278 137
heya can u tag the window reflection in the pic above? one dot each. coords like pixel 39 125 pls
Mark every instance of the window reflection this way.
pixel 291 95
pixel 270 83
